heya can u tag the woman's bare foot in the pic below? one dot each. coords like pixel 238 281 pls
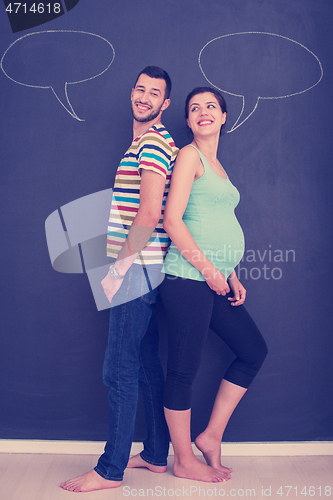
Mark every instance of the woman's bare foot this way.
pixel 197 470
pixel 137 461
pixel 90 481
pixel 211 450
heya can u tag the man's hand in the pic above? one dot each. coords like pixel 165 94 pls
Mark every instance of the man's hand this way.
pixel 111 286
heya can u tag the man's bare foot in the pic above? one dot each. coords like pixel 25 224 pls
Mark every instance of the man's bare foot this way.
pixel 90 481
pixel 211 450
pixel 197 470
pixel 137 461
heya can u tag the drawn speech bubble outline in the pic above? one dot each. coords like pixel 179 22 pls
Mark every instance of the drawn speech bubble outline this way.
pixel 258 97
pixel 63 99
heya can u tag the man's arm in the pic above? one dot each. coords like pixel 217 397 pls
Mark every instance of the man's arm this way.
pixel 151 196
pixel 152 188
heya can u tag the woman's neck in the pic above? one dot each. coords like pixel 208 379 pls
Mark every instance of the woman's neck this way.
pixel 208 147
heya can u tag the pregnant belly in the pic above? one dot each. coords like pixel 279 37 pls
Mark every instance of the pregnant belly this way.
pixel 223 245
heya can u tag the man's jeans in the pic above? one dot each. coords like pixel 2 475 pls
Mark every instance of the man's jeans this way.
pixel 131 361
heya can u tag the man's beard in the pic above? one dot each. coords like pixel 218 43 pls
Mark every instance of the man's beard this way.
pixel 149 117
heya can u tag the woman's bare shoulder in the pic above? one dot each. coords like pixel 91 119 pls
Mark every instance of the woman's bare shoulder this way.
pixel 188 162
pixel 189 153
pixel 189 149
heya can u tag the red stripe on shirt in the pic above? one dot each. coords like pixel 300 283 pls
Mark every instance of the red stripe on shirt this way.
pixel 121 208
pixel 151 164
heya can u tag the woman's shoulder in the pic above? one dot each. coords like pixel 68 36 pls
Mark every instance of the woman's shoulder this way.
pixel 189 152
pixel 188 162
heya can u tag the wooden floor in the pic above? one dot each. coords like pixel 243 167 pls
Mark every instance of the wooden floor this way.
pixel 37 477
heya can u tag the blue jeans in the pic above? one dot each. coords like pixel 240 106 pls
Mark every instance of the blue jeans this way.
pixel 131 361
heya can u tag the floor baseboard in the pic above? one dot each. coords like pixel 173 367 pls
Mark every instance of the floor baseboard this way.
pixel 296 448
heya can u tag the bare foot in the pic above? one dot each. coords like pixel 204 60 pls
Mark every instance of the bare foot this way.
pixel 137 461
pixel 90 481
pixel 197 470
pixel 211 450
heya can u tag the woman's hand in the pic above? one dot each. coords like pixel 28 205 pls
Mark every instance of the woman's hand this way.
pixel 238 290
pixel 216 281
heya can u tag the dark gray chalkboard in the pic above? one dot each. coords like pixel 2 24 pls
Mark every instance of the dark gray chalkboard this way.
pixel 65 123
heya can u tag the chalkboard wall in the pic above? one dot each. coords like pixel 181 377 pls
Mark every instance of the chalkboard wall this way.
pixel 66 78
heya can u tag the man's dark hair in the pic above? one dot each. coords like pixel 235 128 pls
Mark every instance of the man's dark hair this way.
pixel 159 73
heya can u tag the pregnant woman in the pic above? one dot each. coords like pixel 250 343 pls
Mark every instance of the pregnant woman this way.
pixel 201 289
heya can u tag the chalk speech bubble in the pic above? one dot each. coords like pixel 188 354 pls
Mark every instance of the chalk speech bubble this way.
pixel 55 59
pixel 258 65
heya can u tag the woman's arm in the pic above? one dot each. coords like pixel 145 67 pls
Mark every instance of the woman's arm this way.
pixel 186 170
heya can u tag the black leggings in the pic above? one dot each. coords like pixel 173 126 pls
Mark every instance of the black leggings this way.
pixel 192 308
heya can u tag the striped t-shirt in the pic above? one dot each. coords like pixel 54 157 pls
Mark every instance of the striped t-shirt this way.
pixel 154 150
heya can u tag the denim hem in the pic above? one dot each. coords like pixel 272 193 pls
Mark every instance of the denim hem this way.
pixel 108 478
pixel 152 463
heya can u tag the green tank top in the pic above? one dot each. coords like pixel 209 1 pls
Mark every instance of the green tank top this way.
pixel 211 220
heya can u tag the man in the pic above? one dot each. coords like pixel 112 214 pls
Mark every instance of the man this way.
pixel 137 244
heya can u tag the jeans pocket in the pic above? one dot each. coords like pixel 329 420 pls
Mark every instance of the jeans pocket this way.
pixel 150 297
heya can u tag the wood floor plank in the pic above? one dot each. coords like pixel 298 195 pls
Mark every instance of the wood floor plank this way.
pixel 38 477
pixel 4 463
